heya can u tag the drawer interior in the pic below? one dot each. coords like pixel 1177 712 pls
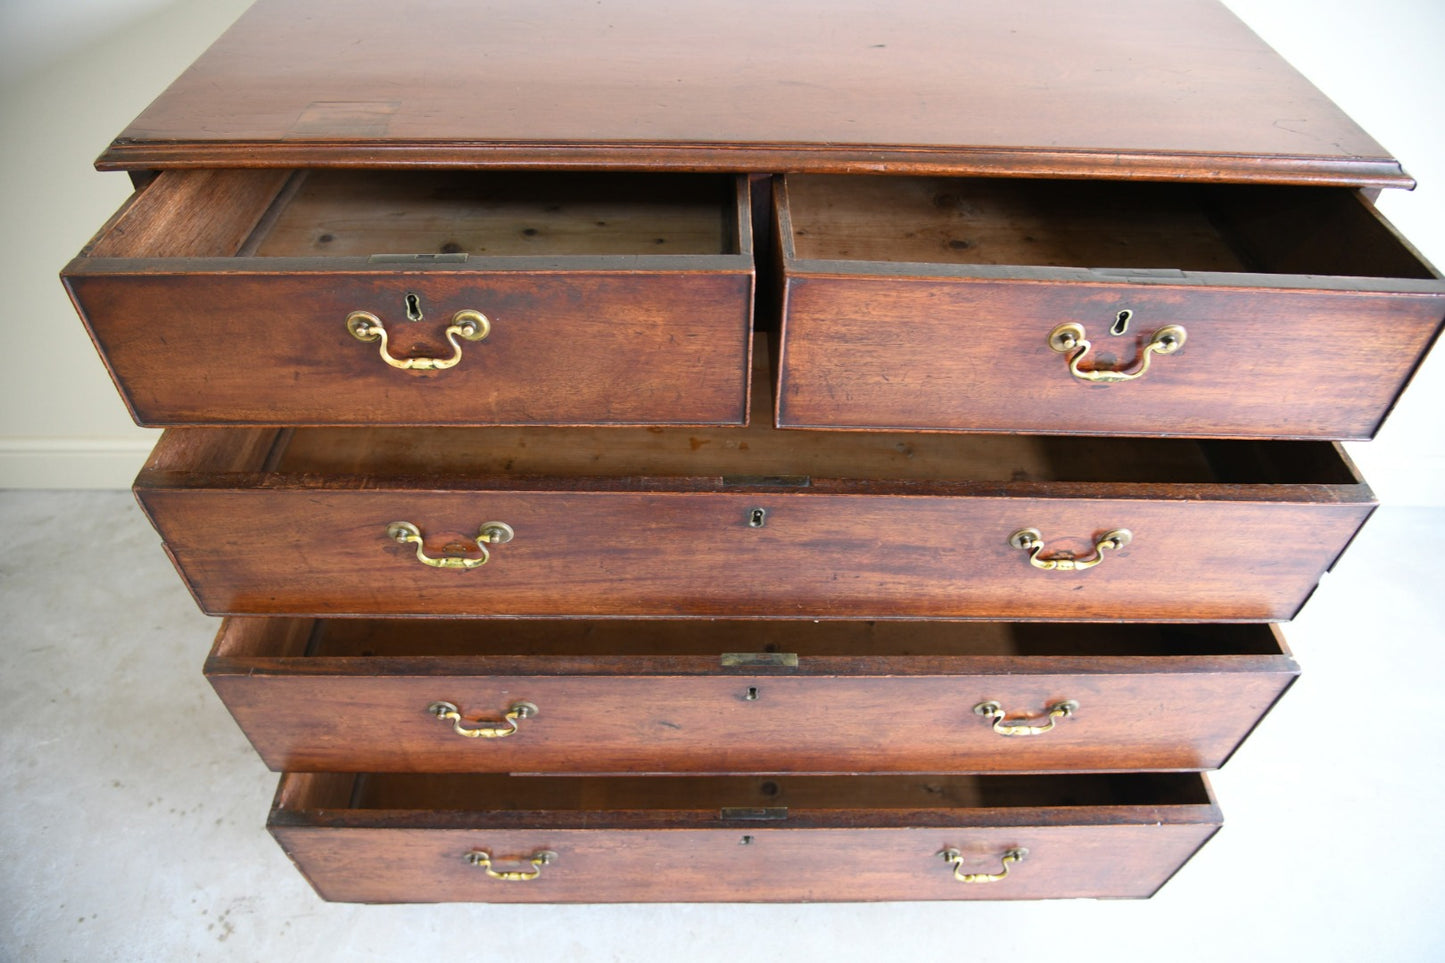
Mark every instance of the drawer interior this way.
pixel 757 453
pixel 502 793
pixel 760 453
pixel 364 638
pixel 441 216
pixel 751 455
pixel 1092 224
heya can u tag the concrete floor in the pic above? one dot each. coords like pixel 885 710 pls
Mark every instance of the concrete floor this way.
pixel 131 819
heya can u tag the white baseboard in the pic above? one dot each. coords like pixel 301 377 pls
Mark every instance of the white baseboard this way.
pixel 71 462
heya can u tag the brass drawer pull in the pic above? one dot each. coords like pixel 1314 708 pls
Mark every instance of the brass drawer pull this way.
pixel 1070 337
pixel 1031 540
pixel 955 859
pixel 994 711
pixel 497 533
pixel 538 859
pixel 468 325
pixel 447 712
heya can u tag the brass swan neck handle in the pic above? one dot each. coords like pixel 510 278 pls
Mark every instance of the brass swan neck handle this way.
pixel 467 324
pixel 955 859
pixel 1071 340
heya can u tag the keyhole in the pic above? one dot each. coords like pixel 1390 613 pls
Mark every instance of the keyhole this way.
pixel 757 518
pixel 752 694
pixel 1121 322
pixel 745 841
pixel 413 307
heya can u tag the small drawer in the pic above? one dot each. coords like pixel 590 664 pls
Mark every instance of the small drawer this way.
pixel 709 696
pixel 755 522
pixel 261 297
pixel 1093 307
pixel 567 839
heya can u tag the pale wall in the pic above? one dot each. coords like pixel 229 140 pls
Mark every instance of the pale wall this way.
pixel 62 425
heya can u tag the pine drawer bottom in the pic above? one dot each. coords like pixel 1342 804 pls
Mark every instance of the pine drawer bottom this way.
pixel 375 838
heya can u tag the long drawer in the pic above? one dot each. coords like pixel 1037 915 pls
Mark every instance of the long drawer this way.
pixel 1095 307
pixel 752 522
pixel 427 838
pixel 744 696
pixel 374 297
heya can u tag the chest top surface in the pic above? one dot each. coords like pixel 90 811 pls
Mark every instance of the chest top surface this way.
pixel 1128 88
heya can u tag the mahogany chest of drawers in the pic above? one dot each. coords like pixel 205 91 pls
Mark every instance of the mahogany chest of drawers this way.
pixel 703 456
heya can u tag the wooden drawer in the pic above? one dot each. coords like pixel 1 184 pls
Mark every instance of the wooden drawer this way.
pixel 727 696
pixel 412 838
pixel 932 303
pixel 230 297
pixel 751 522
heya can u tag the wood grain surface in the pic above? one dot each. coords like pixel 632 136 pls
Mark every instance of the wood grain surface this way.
pixel 1011 221
pixel 602 309
pixel 1119 838
pixel 636 143
pixel 360 213
pixel 1249 546
pixel 1183 700
pixel 190 214
pixel 1305 313
pixel 1057 88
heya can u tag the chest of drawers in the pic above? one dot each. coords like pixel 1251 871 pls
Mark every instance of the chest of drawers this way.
pixel 641 467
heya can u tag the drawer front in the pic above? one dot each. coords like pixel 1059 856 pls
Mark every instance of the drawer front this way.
pixel 687 866
pixel 564 347
pixel 246 297
pixel 686 855
pixel 819 555
pixel 1095 308
pixel 975 355
pixel 882 712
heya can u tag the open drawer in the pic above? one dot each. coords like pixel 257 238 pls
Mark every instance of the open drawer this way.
pixel 744 696
pixel 1094 307
pixel 262 297
pixel 566 839
pixel 754 522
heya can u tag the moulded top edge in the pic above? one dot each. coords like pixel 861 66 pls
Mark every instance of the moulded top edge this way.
pixel 1107 164
pixel 1131 88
